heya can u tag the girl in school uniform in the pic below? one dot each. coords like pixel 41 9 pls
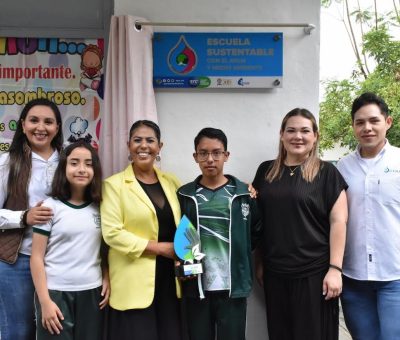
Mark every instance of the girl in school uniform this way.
pixel 72 287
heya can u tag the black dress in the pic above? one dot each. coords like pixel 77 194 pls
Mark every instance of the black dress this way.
pixel 296 251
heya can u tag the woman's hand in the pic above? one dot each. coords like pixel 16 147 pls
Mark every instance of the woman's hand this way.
pixel 332 284
pixel 38 214
pixel 51 316
pixel 105 289
pixel 166 249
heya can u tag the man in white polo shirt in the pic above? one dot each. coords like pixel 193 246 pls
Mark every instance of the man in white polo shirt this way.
pixel 371 265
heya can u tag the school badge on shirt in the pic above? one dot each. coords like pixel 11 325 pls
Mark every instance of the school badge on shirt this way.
pixel 245 210
pixel 97 220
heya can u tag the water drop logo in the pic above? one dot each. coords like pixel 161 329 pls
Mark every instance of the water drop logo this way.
pixel 182 58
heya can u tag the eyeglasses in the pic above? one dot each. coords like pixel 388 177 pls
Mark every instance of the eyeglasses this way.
pixel 216 155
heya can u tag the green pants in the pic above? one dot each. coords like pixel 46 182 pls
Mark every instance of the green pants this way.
pixel 217 314
pixel 83 319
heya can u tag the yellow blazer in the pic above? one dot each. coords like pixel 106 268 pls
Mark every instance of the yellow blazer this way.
pixel 129 221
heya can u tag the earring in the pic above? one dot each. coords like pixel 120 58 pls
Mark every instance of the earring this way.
pixel 129 158
pixel 158 158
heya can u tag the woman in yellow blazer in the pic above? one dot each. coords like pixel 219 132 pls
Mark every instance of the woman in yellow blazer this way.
pixel 139 214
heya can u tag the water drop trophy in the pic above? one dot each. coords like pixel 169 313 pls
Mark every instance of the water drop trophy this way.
pixel 187 248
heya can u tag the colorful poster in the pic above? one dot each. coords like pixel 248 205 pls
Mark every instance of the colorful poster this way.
pixel 218 60
pixel 67 71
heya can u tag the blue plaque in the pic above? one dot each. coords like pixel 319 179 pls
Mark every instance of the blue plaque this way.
pixel 218 60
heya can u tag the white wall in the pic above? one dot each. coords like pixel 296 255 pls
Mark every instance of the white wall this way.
pixel 250 118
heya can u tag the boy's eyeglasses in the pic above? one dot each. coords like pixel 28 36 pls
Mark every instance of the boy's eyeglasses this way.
pixel 216 155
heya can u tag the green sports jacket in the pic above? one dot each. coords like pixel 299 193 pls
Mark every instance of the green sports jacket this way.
pixel 244 233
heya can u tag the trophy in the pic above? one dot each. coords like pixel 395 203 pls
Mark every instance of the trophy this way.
pixel 187 248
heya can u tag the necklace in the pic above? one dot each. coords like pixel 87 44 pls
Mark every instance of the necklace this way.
pixel 292 170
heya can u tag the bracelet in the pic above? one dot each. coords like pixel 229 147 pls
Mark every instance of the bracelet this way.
pixel 335 267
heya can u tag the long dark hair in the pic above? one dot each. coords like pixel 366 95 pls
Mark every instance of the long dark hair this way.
pixel 20 162
pixel 61 188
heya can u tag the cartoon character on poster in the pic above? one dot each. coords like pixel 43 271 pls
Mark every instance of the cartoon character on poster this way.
pixel 91 65
pixel 78 130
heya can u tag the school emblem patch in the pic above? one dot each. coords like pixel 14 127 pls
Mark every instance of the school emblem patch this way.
pixel 245 210
pixel 97 220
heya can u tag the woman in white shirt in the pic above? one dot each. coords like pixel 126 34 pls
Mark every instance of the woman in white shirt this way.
pixel 26 173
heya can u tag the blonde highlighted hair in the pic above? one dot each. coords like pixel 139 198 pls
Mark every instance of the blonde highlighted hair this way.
pixel 310 168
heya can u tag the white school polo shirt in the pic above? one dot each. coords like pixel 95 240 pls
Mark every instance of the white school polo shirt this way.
pixel 72 259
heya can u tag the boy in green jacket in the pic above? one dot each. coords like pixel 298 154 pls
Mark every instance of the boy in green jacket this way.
pixel 228 223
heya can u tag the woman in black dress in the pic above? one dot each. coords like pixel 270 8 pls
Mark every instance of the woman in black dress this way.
pixel 304 208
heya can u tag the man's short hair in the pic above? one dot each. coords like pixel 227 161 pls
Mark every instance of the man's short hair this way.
pixel 366 99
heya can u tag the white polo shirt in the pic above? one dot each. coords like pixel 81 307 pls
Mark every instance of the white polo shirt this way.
pixel 72 259
pixel 373 232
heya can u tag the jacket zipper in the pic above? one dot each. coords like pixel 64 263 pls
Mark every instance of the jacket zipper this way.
pixel 200 286
pixel 230 243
